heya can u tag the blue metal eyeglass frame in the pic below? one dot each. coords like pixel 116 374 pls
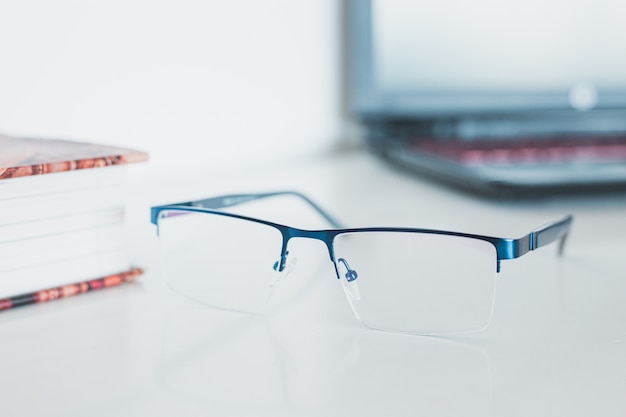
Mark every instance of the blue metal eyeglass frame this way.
pixel 505 248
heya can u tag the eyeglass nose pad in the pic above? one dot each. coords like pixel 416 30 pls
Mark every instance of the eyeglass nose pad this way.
pixel 350 286
pixel 288 264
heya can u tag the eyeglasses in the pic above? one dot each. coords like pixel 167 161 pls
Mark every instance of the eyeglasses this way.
pixel 396 279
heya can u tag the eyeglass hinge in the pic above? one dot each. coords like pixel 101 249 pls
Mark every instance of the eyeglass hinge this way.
pixel 532 241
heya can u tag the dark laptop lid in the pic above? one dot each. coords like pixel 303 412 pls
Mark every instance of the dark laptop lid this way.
pixel 484 67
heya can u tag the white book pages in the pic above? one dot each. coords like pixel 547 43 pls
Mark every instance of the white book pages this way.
pixel 49 206
pixel 64 224
pixel 84 268
pixel 53 248
pixel 61 182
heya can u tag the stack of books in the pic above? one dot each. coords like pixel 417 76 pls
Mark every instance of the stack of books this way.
pixel 62 228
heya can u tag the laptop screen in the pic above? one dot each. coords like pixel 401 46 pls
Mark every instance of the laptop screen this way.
pixel 434 57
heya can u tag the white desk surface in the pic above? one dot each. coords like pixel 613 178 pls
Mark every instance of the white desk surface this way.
pixel 556 345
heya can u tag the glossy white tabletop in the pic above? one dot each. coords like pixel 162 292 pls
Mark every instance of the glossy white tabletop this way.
pixel 556 344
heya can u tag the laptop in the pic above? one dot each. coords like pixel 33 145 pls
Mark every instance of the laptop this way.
pixel 505 99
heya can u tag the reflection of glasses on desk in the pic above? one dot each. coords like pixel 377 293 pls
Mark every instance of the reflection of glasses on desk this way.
pixel 397 279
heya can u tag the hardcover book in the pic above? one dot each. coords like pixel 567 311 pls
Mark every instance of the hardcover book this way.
pixel 22 157
pixel 62 223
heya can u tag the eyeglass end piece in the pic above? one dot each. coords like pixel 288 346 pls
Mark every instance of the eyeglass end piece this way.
pixel 562 244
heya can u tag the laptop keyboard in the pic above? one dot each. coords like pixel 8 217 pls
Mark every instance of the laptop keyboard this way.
pixel 520 151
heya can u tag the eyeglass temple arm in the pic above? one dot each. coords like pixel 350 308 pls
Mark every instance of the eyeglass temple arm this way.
pixel 235 199
pixel 551 232
pixel 542 236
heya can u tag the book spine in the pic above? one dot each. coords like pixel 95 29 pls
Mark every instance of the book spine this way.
pixel 70 290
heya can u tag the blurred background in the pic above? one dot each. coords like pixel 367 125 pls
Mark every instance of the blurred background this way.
pixel 197 84
pixel 497 98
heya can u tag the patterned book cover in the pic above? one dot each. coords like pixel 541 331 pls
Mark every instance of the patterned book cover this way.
pixel 77 288
pixel 21 157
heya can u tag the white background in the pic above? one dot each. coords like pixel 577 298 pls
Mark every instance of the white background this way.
pixel 197 84
pixel 491 45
